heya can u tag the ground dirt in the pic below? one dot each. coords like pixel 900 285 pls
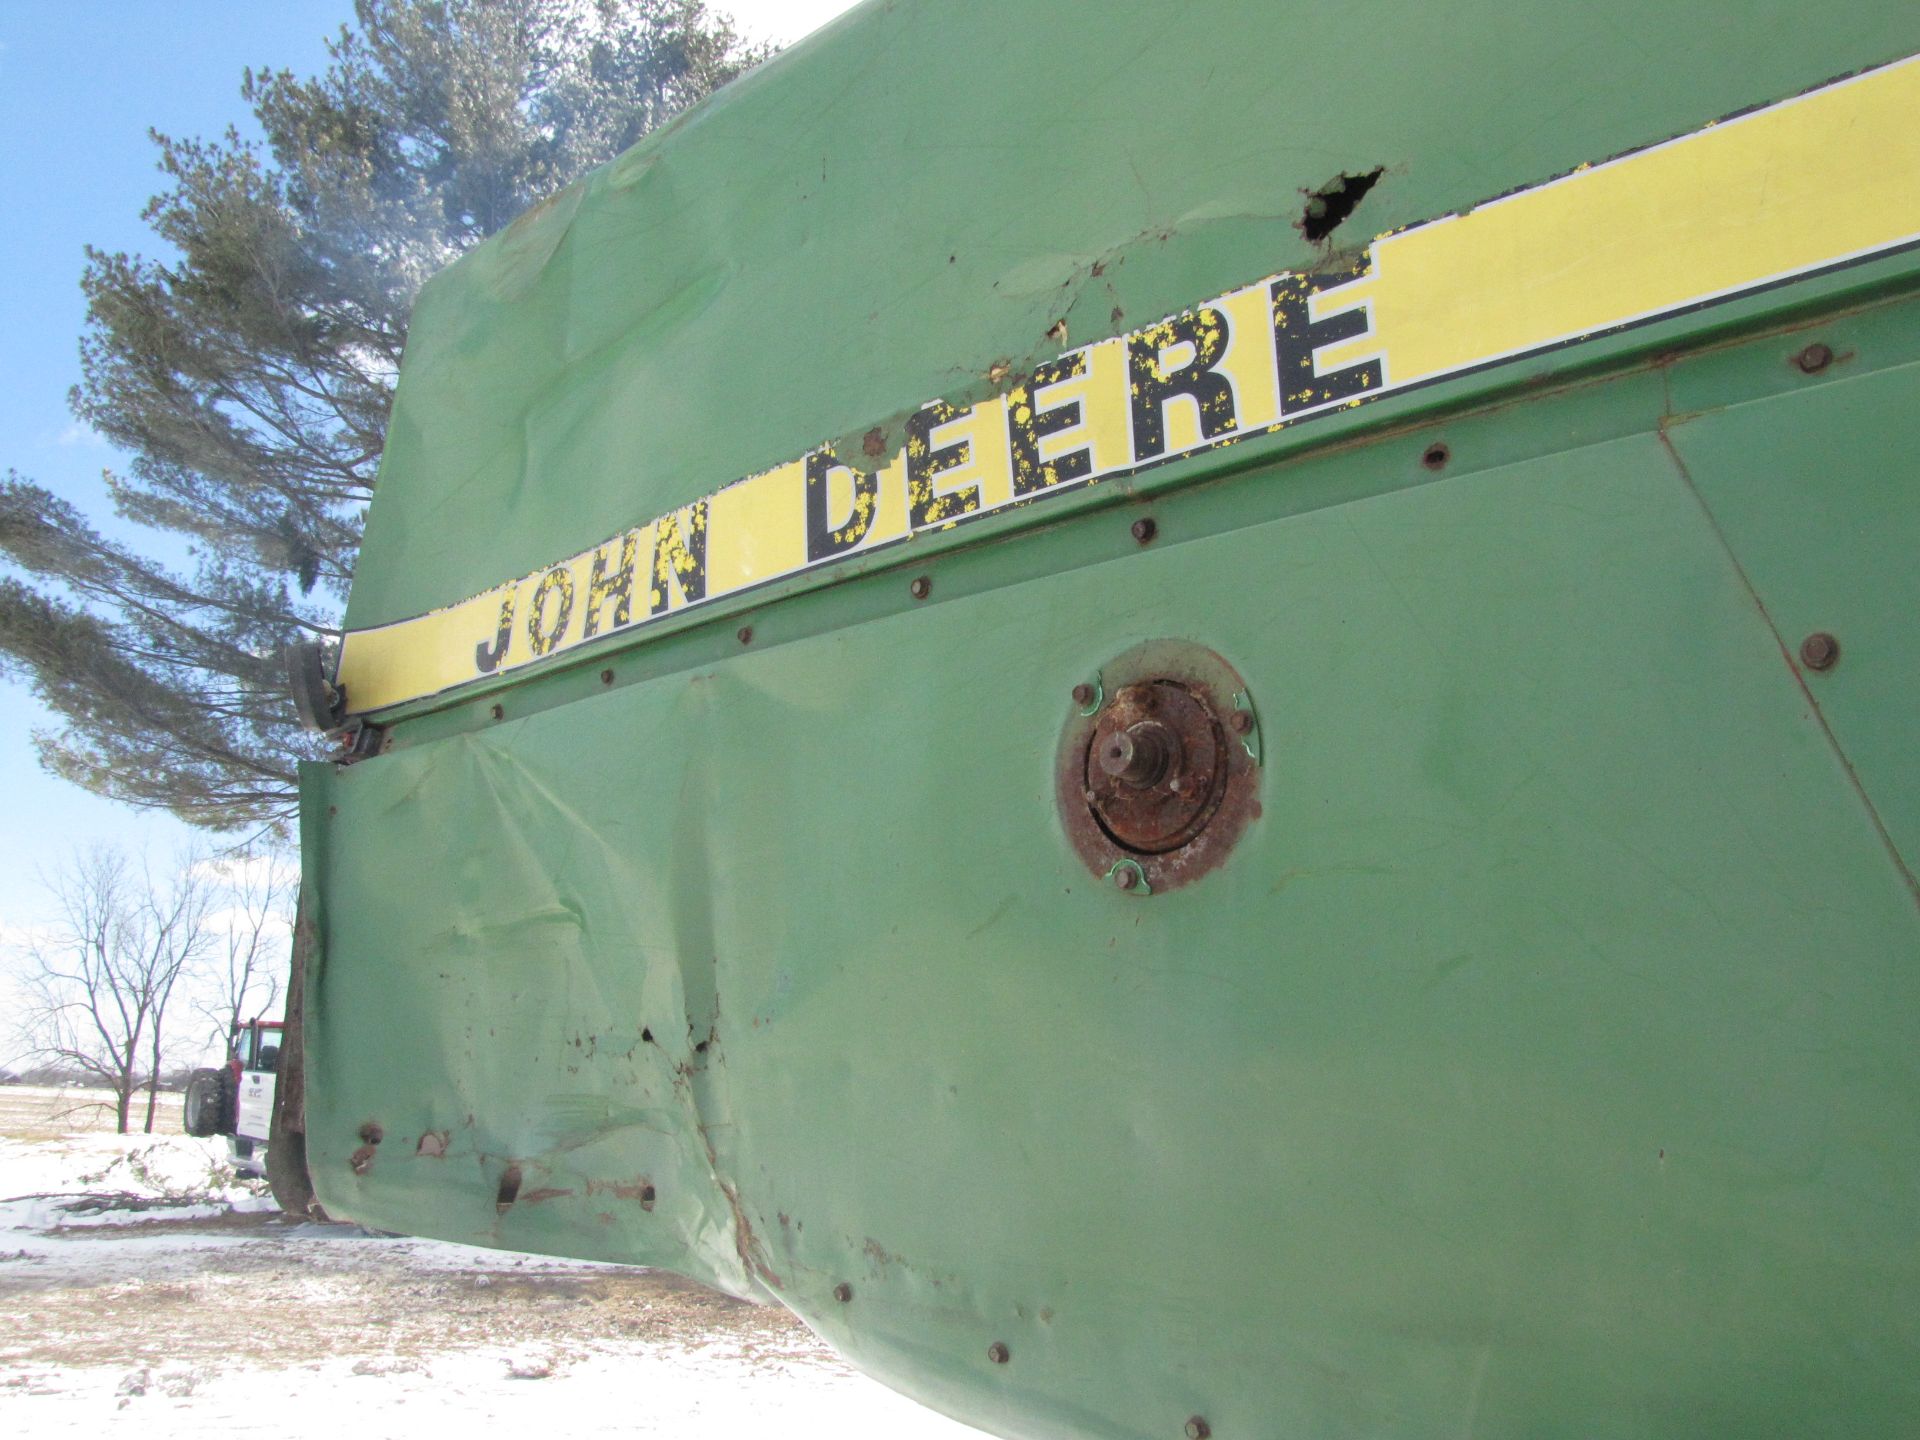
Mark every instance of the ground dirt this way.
pixel 143 1284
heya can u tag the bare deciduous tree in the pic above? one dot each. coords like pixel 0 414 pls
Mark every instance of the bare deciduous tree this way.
pixel 98 981
pixel 247 958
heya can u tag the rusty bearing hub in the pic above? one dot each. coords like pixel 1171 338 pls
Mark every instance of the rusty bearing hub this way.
pixel 1157 770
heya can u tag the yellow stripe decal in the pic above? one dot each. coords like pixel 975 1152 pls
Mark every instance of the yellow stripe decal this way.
pixel 1825 179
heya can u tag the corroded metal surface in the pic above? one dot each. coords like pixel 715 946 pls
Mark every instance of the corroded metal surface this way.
pixel 1512 1031
pixel 1158 778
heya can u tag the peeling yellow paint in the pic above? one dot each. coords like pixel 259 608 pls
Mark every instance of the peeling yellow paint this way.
pixel 1821 180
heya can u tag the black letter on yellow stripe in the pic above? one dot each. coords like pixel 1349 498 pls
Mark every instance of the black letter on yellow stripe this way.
pixel 1154 385
pixel 822 539
pixel 486 658
pixel 926 464
pixel 1027 422
pixel 1302 386
pixel 617 587
pixel 680 555
pixel 542 636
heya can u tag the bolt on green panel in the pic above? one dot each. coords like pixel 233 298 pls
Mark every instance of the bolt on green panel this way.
pixel 1371 920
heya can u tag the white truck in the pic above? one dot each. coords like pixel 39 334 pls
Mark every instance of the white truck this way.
pixel 237 1099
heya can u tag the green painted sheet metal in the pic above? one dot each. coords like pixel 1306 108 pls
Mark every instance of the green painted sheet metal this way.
pixel 1542 1062
pixel 880 215
pixel 1828 534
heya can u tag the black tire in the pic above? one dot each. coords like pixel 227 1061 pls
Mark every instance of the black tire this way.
pixel 204 1109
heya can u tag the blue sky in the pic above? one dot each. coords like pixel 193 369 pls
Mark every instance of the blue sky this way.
pixel 80 85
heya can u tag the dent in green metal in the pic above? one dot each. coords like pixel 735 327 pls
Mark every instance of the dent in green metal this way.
pixel 1526 1057
pixel 707 305
pixel 1544 1060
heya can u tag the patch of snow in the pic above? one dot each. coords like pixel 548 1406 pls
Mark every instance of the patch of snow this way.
pixel 174 1303
pixel 585 1393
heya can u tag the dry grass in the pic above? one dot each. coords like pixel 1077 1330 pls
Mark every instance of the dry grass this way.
pixel 38 1112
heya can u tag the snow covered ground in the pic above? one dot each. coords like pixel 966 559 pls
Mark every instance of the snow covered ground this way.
pixel 143 1289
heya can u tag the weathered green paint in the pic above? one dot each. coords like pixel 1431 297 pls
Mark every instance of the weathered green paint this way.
pixel 1543 1062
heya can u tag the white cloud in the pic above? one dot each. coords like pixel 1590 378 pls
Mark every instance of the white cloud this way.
pixel 17 936
pixel 78 433
pixel 250 868
pixel 783 20
pixel 238 921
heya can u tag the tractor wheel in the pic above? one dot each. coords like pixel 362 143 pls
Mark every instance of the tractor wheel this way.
pixel 204 1112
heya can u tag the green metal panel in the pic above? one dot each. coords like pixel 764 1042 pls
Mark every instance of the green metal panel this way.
pixel 1828 535
pixel 924 189
pixel 1540 1056
pixel 1542 1061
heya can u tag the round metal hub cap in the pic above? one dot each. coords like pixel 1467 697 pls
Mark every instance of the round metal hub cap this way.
pixel 1158 765
pixel 1154 767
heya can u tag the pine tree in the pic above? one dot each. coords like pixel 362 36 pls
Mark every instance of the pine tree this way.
pixel 249 374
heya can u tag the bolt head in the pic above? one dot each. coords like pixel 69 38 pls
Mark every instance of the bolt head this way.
pixel 1242 722
pixel 1145 528
pixel 1126 877
pixel 1197 1428
pixel 744 634
pixel 998 1353
pixel 1083 695
pixel 1815 358
pixel 920 588
pixel 1819 651
pixel 843 1292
